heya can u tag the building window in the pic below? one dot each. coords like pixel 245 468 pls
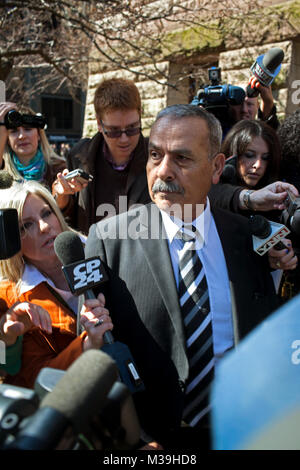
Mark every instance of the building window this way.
pixel 59 112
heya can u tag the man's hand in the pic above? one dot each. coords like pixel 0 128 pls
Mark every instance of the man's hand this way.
pixel 20 318
pixel 284 259
pixel 270 197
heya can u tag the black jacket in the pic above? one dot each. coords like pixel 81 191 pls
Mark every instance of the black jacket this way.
pixel 81 212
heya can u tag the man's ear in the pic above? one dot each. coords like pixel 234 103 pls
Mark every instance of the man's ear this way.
pixel 218 165
pixel 99 125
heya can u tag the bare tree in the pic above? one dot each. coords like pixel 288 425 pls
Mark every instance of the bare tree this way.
pixel 63 39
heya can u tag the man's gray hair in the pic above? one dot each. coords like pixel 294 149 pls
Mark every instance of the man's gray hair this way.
pixel 179 111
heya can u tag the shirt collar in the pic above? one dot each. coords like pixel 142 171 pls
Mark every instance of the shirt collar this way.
pixel 31 278
pixel 201 223
pixel 108 157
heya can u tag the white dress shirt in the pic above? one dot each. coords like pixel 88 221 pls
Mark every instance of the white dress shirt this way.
pixel 32 277
pixel 211 254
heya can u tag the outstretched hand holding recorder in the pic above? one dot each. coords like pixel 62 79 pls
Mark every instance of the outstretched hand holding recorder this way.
pixel 68 183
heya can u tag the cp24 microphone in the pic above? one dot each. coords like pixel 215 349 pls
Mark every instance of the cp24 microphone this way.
pixel 78 396
pixel 10 243
pixel 266 234
pixel 265 69
pixel 82 275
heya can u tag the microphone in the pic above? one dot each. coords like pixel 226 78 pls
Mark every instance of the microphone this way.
pixel 82 275
pixel 10 243
pixel 74 401
pixel 265 69
pixel 6 179
pixel 118 414
pixel 266 234
pixel 229 170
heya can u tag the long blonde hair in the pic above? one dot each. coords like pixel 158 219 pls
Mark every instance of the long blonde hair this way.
pixel 48 153
pixel 12 269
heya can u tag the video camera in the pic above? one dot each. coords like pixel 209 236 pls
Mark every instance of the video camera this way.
pixel 217 98
pixel 291 215
pixel 14 119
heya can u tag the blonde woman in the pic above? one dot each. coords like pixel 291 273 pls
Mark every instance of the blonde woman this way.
pixel 25 151
pixel 34 276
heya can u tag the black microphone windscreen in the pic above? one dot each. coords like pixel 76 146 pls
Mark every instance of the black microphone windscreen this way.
pixel 228 173
pixel 259 226
pixel 81 392
pixel 69 248
pixel 10 242
pixel 6 179
pixel 273 58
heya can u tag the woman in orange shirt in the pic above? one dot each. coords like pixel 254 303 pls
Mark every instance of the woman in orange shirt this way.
pixel 34 276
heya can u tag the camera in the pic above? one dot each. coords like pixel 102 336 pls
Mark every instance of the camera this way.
pixel 14 119
pixel 291 215
pixel 217 98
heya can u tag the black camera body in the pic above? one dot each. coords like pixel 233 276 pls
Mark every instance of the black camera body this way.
pixel 14 119
pixel 217 98
pixel 291 215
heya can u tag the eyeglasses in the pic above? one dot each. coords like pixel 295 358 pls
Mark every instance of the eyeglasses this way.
pixel 115 133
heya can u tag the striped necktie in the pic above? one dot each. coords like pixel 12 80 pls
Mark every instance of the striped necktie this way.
pixel 195 309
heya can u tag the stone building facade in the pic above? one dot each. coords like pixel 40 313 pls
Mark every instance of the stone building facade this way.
pixel 186 67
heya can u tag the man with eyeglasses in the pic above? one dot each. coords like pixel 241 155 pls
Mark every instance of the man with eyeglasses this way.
pixel 116 157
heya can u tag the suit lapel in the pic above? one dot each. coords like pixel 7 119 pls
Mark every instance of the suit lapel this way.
pixel 156 251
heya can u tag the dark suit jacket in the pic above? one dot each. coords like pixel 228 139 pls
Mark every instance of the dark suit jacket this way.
pixel 142 298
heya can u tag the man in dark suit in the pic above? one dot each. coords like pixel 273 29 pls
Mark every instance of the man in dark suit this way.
pixel 142 250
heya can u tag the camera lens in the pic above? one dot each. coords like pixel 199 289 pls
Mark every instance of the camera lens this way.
pixel 13 119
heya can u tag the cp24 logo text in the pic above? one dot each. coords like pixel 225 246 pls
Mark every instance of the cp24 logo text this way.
pixel 85 275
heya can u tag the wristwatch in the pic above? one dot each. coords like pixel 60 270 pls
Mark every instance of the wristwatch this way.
pixel 247 200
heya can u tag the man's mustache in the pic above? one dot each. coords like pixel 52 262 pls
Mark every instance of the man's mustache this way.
pixel 170 187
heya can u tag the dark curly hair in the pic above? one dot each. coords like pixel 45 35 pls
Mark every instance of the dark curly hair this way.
pixel 289 136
